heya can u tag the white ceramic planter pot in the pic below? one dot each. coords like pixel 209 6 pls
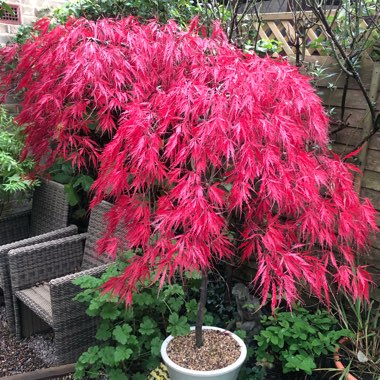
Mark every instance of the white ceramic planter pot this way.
pixel 230 372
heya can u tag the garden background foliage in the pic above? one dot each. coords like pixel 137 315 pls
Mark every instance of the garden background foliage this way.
pixel 14 175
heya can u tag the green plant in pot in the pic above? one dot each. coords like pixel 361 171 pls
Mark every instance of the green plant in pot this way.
pixel 212 156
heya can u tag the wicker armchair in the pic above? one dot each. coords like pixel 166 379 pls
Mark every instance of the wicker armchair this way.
pixel 49 212
pixel 42 277
pixel 46 221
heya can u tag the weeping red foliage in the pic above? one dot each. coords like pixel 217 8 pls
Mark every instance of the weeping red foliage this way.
pixel 208 153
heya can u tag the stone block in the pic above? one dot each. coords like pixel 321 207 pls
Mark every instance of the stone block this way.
pixel 3 28
pixel 27 20
pixel 26 11
pixel 30 3
pixel 12 29
pixel 50 4
pixel 42 4
pixel 4 38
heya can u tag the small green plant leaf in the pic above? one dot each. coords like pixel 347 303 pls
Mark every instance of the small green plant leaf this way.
pixel 72 196
pixel 104 332
pixel 109 311
pixel 241 333
pixel 174 290
pixel 148 326
pixel 122 333
pixel 155 346
pixel 87 282
pixel 175 304
pixel 178 325
pixel 90 356
pixel 107 355
pixel 191 309
pixel 139 376
pixel 117 374
pixel 84 181
pixel 143 299
pixel 122 353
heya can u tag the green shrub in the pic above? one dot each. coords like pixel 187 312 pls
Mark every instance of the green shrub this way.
pixel 180 10
pixel 13 173
pixel 130 338
pixel 297 339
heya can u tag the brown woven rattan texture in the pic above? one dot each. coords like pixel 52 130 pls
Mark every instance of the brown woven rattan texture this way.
pixel 42 277
pixel 50 209
pixel 46 221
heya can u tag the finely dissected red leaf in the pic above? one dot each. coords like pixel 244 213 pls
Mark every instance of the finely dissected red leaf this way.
pixel 353 154
pixel 208 153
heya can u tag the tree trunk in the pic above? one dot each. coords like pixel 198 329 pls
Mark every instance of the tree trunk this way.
pixel 201 310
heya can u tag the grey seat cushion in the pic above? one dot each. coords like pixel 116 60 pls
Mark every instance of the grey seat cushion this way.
pixel 38 299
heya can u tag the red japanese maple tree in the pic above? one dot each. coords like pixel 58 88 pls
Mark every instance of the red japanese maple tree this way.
pixel 208 153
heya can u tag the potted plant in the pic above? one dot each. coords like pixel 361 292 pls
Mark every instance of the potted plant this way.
pixel 233 349
pixel 209 155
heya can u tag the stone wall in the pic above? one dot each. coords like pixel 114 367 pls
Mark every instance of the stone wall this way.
pixel 29 11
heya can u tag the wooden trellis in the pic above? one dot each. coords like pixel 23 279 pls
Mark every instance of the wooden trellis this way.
pixel 280 27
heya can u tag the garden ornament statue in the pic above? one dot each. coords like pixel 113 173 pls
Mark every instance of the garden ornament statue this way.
pixel 248 308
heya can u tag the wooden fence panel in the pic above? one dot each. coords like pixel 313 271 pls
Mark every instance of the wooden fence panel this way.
pixel 356 110
pixel 371 180
pixel 281 27
pixel 330 86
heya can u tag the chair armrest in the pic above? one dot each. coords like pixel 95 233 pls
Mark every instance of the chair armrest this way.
pixel 53 235
pixel 45 261
pixel 68 279
pixel 14 227
pixel 62 292
pixel 4 249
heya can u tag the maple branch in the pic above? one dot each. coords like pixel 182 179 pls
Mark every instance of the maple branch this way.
pixel 344 97
pixel 107 43
pixel 36 60
pixel 245 11
pixel 375 20
pixel 233 23
pixel 349 69
pixel 249 7
pixel 259 20
pixel 375 129
pixel 345 61
pixel 341 125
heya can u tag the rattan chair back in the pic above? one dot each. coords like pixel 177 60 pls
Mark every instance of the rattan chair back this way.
pixel 96 229
pixel 50 208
